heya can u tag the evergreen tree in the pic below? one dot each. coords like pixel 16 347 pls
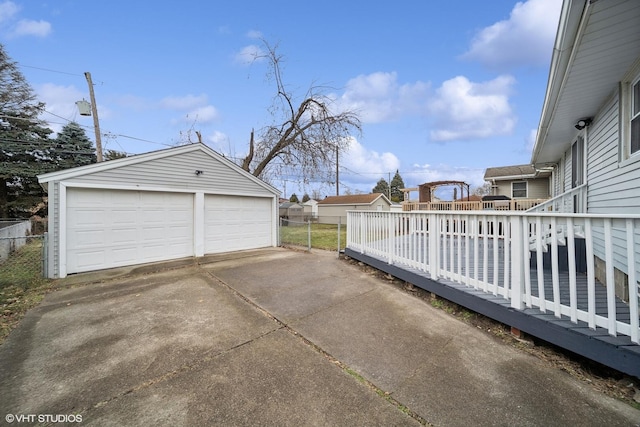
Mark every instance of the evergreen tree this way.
pixel 73 147
pixel 381 187
pixel 305 198
pixel 24 143
pixel 293 198
pixel 113 154
pixel 396 184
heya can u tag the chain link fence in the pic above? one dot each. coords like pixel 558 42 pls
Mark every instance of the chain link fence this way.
pixel 22 252
pixel 327 233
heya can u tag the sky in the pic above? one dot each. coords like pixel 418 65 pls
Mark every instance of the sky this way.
pixel 444 89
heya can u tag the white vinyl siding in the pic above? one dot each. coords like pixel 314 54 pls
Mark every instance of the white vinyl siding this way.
pixel 537 188
pixel 177 172
pixel 151 208
pixel 613 187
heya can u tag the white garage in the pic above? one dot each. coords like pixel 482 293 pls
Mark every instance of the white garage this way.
pixel 175 203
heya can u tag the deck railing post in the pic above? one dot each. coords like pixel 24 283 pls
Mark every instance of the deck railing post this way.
pixel 434 237
pixel 392 238
pixel 361 228
pixel 517 262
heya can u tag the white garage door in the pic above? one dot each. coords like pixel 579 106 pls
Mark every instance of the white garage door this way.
pixel 234 223
pixel 113 228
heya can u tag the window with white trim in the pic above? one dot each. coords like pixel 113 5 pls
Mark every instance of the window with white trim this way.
pixel 519 190
pixel 634 131
pixel 629 104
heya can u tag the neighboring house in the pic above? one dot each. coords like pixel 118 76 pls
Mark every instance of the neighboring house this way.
pixel 519 182
pixel 395 207
pixel 334 208
pixel 310 208
pixel 589 130
pixel 179 202
pixel 292 211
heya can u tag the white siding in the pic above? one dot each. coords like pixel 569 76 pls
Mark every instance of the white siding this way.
pixel 536 188
pixel 613 187
pixel 177 172
pixel 169 173
pixel 567 170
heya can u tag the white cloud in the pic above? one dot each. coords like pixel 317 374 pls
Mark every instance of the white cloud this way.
pixel 196 106
pixel 254 34
pixel 205 114
pixel 60 105
pixel 27 27
pixel 463 110
pixel 218 138
pixel 359 158
pixel 249 54
pixel 24 27
pixel 378 97
pixel 8 10
pixel 187 102
pixel 526 38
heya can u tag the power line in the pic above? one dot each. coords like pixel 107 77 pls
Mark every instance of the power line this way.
pixel 51 71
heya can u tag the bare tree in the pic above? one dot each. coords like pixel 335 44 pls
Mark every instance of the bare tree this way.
pixel 484 190
pixel 306 136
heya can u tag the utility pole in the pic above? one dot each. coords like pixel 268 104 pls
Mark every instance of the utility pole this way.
pixel 96 123
pixel 337 171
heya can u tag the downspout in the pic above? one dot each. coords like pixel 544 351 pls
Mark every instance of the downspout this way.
pixel 585 169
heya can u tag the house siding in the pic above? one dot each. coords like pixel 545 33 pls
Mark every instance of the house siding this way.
pixel 176 172
pixel 567 170
pixel 329 214
pixel 612 186
pixel 536 188
pixel 54 231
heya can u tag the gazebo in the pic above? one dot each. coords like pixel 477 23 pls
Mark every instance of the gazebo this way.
pixel 426 190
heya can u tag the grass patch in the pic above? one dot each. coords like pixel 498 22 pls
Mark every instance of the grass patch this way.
pixel 323 236
pixel 21 285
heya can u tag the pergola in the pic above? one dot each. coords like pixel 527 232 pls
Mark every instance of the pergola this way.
pixel 425 191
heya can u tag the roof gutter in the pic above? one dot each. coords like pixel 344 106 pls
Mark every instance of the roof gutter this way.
pixel 570 30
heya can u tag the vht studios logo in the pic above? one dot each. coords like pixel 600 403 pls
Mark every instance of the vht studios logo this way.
pixel 42 418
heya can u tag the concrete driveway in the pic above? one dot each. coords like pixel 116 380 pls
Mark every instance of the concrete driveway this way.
pixel 273 337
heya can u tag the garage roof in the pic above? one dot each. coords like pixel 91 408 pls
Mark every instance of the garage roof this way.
pixel 208 158
pixel 354 199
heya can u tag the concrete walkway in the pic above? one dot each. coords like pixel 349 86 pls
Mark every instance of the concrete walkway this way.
pixel 274 337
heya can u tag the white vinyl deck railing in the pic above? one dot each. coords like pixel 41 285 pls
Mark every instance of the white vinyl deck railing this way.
pixel 567 202
pixel 518 256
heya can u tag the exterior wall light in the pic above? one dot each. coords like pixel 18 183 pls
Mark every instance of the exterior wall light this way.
pixel 583 123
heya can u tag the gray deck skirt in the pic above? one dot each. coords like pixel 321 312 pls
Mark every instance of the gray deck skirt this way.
pixel 618 352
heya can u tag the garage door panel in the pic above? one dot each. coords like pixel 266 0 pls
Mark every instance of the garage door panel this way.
pixel 112 228
pixel 89 260
pixel 236 223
